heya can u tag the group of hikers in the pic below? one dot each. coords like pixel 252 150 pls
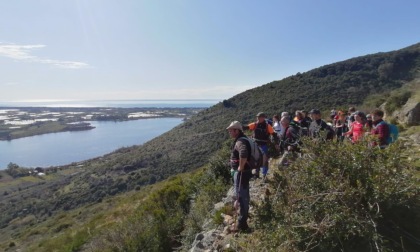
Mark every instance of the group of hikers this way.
pixel 285 132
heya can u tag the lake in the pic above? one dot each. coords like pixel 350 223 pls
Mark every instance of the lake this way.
pixel 67 147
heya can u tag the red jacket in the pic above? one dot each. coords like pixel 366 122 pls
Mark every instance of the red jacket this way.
pixel 382 131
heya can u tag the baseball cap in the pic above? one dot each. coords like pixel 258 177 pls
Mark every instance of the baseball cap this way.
pixel 315 111
pixel 261 114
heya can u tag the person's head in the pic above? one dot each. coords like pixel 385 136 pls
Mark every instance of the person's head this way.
pixel 352 110
pixel 315 114
pixel 299 115
pixel 305 113
pixel 340 115
pixel 358 116
pixel 276 118
pixel 369 117
pixel 283 114
pixel 261 117
pixel 285 121
pixel 377 114
pixel 234 129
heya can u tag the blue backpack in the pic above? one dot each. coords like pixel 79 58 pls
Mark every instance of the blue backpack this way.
pixel 393 132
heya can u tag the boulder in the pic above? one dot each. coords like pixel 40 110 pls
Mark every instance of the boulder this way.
pixel 409 114
pixel 206 241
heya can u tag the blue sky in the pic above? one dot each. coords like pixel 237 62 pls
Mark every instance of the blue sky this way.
pixel 184 49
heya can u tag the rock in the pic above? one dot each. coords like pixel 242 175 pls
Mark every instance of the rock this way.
pixel 230 197
pixel 205 241
pixel 219 206
pixel 415 138
pixel 227 220
pixel 226 230
pixel 207 224
pixel 409 114
pixel 199 237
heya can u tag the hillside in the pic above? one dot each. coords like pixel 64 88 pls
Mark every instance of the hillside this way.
pixel 190 145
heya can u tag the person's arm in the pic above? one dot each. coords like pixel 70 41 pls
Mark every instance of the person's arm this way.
pixel 242 163
pixel 275 137
pixel 350 131
pixel 250 126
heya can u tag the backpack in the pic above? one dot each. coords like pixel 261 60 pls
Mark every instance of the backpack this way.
pixel 255 159
pixel 393 132
pixel 260 133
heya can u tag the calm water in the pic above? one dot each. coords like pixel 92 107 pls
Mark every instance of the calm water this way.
pixel 67 147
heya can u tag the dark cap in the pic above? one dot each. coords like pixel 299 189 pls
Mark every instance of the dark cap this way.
pixel 261 114
pixel 315 111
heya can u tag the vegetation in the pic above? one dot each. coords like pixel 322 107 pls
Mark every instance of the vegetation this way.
pixel 364 199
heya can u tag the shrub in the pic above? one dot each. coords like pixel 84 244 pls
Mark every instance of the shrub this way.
pixel 342 197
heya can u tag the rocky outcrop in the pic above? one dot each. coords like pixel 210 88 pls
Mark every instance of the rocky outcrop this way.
pixel 409 114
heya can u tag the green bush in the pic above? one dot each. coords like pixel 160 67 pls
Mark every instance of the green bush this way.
pixel 172 214
pixel 343 198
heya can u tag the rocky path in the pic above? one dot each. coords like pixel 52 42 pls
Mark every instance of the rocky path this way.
pixel 221 237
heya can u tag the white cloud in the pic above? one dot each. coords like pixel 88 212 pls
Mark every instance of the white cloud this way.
pixel 23 53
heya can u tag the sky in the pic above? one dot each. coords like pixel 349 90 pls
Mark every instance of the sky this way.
pixel 65 50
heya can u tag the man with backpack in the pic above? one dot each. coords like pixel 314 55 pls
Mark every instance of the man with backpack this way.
pixel 261 132
pixel 319 129
pixel 240 155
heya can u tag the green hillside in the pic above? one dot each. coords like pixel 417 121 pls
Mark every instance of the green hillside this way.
pixel 29 200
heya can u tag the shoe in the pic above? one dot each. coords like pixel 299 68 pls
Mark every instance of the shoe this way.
pixel 242 227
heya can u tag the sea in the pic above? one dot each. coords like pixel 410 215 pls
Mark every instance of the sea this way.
pixel 64 148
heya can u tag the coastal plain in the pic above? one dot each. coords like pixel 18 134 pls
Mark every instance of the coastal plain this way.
pixel 18 122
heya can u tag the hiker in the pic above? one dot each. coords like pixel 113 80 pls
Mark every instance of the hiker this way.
pixel 290 138
pixel 261 132
pixel 380 129
pixel 369 123
pixel 241 171
pixel 333 113
pixel 283 114
pixel 318 126
pixel 340 126
pixel 277 125
pixel 301 123
pixel 357 128
pixel 350 116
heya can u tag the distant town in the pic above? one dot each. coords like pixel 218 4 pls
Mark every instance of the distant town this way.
pixel 18 122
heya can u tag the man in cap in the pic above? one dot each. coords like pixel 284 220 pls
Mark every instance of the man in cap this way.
pixel 241 171
pixel 318 127
pixel 261 132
